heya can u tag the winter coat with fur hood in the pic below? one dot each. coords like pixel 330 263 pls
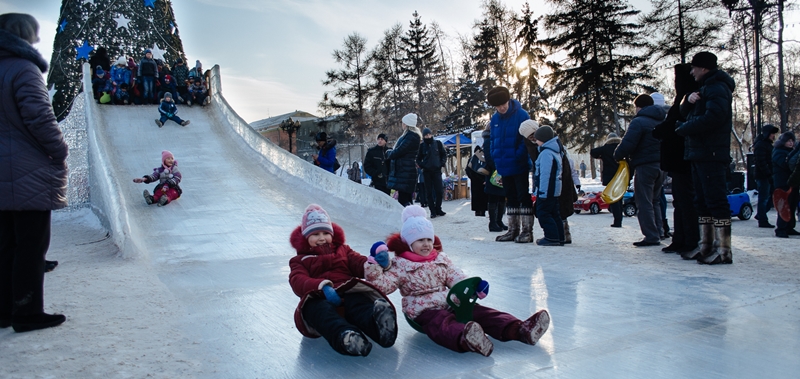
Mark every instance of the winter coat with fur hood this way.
pixel 334 264
pixel 33 169
pixel 423 285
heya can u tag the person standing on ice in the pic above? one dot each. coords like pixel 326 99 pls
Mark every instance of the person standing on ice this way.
pixel 512 163
pixel 326 159
pixel 169 179
pixel 377 166
pixel 33 176
pixel 403 166
pixel 424 276
pixel 334 302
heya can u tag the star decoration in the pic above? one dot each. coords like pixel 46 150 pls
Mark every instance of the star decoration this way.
pixel 150 3
pixel 52 92
pixel 84 50
pixel 122 21
pixel 157 53
pixel 62 25
pixel 88 2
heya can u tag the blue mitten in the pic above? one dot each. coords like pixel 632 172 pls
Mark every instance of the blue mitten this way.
pixel 374 249
pixel 482 290
pixel 379 253
pixel 331 295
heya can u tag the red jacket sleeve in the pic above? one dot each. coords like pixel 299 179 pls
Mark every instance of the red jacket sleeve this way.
pixel 302 283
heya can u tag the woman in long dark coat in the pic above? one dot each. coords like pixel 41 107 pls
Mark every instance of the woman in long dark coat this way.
pixel 403 168
pixel 33 175
pixel 479 200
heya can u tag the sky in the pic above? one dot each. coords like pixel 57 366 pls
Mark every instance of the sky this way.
pixel 273 54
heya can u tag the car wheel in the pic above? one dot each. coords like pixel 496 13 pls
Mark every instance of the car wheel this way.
pixel 594 209
pixel 629 210
pixel 746 212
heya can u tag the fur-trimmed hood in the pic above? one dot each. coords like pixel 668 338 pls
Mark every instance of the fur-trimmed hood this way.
pixel 13 46
pixel 395 244
pixel 300 243
pixel 616 140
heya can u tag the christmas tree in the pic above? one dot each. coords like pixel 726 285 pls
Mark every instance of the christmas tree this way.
pixel 123 28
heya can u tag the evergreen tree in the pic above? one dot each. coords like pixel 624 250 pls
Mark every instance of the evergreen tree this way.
pixel 422 66
pixel 468 101
pixel 602 78
pixel 680 27
pixel 535 99
pixel 489 67
pixel 352 88
pixel 122 27
pixel 390 100
pixel 502 20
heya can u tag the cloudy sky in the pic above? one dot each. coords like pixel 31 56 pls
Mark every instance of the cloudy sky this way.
pixel 274 53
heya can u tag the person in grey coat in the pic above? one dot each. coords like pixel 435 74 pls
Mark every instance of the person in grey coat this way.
pixel 644 153
pixel 33 175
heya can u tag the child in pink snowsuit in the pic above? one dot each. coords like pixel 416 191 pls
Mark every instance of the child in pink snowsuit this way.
pixel 425 276
pixel 168 177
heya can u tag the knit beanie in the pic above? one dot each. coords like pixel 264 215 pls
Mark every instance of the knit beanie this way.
pixel 498 96
pixel 415 225
pixel 166 154
pixel 410 119
pixel 706 60
pixel 121 61
pixel 167 95
pixel 315 219
pixel 426 131
pixel 21 25
pixel 99 71
pixel 642 101
pixel 148 51
pixel 528 127
pixel 658 99
pixel 321 136
pixel 769 129
pixel 544 133
pixel 383 137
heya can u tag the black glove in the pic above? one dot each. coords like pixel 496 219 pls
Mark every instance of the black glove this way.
pixel 172 183
pixel 578 187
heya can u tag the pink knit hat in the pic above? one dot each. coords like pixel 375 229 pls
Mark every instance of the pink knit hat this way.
pixel 315 219
pixel 166 154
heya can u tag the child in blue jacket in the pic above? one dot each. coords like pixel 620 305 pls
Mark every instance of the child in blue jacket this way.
pixel 547 184
pixel 169 111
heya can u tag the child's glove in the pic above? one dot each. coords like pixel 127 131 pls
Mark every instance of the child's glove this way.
pixel 331 295
pixel 172 183
pixel 482 290
pixel 379 253
pixel 170 115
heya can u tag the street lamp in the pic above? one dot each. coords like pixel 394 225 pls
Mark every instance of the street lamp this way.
pixel 290 127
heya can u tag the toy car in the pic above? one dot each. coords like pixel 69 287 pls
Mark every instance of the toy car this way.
pixel 591 202
pixel 740 205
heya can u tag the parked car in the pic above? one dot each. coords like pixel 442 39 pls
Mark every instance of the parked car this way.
pixel 591 202
pixel 628 204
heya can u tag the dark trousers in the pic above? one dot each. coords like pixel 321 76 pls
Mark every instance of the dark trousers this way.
pixel 647 184
pixel 517 189
pixel 764 188
pixel 380 185
pixel 550 218
pixel 616 210
pixel 785 226
pixel 711 189
pixel 687 230
pixel 198 98
pixel 405 198
pixel 24 240
pixel 175 118
pixel 433 189
pixel 323 316
pixel 442 327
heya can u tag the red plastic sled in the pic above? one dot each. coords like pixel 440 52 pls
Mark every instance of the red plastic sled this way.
pixel 781 200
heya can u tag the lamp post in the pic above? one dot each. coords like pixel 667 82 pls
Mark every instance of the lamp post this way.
pixel 290 127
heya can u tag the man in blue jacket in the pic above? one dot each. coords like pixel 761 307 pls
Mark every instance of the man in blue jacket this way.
pixel 512 162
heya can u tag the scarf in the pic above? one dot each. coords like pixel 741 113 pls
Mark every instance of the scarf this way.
pixel 414 257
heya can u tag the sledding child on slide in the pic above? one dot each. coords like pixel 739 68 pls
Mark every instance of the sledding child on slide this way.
pixel 335 302
pixel 424 276
pixel 168 177
pixel 169 111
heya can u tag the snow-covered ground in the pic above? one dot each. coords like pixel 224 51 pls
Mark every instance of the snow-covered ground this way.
pixel 199 288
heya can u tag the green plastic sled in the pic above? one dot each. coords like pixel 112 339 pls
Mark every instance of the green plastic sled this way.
pixel 464 291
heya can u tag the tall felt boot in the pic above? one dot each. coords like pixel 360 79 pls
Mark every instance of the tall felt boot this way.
pixel 501 210
pixel 722 253
pixel 493 226
pixel 526 226
pixel 513 227
pixel 567 235
pixel 706 240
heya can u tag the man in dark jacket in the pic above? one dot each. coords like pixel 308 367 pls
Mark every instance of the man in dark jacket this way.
pixel 326 159
pixel 33 175
pixel 762 153
pixel 377 166
pixel 431 158
pixel 708 147
pixel 644 153
pixel 605 154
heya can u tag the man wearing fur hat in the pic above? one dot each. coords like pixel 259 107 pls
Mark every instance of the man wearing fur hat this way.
pixel 511 160
pixel 708 147
pixel 609 168
pixel 377 166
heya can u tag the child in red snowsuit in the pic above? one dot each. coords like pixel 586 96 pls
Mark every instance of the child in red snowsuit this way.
pixel 168 177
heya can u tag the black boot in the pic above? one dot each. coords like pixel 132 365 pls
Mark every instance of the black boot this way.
pixel 667 233
pixel 36 322
pixel 706 240
pixel 501 211
pixel 493 226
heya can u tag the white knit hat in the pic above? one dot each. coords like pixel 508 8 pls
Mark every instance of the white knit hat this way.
pixel 658 99
pixel 415 225
pixel 410 119
pixel 528 127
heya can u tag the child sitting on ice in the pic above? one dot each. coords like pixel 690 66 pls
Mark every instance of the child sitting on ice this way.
pixel 326 274
pixel 169 179
pixel 424 277
pixel 169 111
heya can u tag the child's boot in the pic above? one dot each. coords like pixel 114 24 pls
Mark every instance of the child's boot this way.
pixel 534 327
pixel 474 339
pixel 184 122
pixel 163 200
pixel 159 123
pixel 354 343
pixel 148 198
pixel 386 322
